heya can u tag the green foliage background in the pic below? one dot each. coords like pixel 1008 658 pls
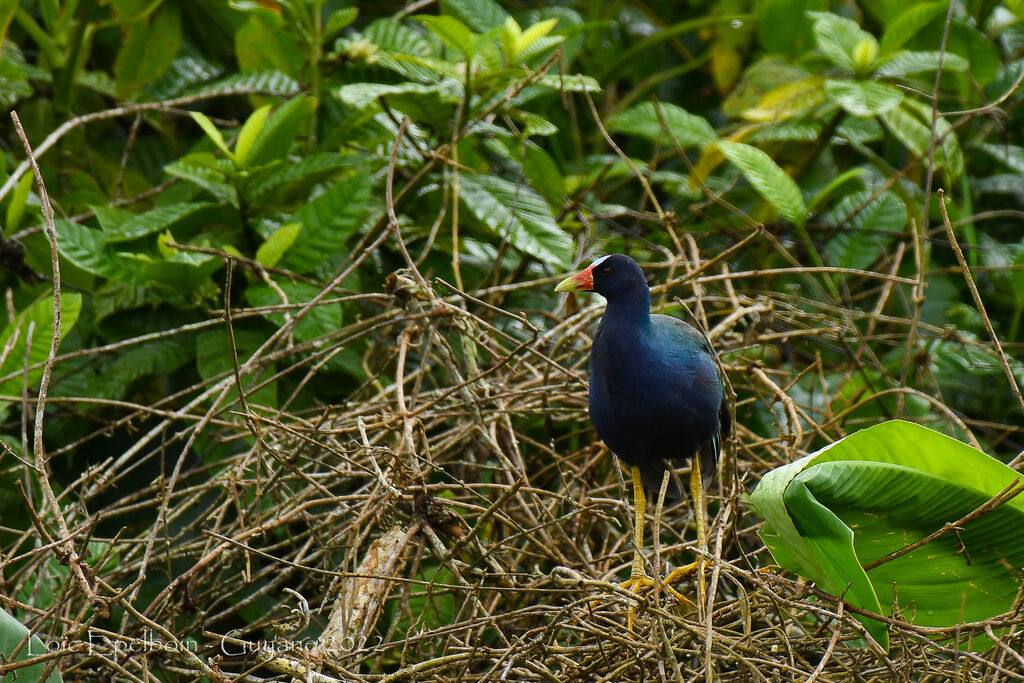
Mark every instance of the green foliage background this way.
pixel 209 155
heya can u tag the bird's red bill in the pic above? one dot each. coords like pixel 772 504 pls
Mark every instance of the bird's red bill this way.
pixel 582 281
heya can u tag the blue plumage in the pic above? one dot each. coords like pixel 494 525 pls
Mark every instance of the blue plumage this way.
pixel 655 391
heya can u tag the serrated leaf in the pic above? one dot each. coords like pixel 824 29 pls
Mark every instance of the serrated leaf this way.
pixel 904 63
pixel 838 37
pixel 688 130
pixel 211 132
pixel 327 221
pixel 519 215
pixel 864 98
pixel 250 130
pixel 908 23
pixel 770 181
pixel 155 220
pixel 452 33
pixel 270 252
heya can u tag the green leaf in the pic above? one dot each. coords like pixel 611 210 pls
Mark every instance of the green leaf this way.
pixel 271 251
pixel 16 209
pixel 870 231
pixel 452 33
pixel 84 247
pixel 250 130
pixel 327 222
pixel 519 215
pixel 211 132
pixel 277 134
pixel 215 358
pixel 149 48
pixel 909 23
pixel 688 130
pixel 207 178
pixel 1011 155
pixel 12 634
pixel 40 316
pixel 904 63
pixel 770 181
pixel 863 98
pixel 321 320
pixel 879 490
pixel 264 43
pixel 157 220
pixel 480 15
pixel 910 123
pixel 338 21
pixel 838 39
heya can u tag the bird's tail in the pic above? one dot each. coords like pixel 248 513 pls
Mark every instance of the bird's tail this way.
pixel 652 474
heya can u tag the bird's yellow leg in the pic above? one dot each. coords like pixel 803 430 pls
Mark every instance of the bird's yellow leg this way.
pixel 700 517
pixel 638 578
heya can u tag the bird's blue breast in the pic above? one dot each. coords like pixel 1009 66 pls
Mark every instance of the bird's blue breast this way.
pixel 654 390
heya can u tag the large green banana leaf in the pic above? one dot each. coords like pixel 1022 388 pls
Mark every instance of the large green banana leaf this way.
pixel 877 491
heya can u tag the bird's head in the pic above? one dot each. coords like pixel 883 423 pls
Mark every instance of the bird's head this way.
pixel 612 276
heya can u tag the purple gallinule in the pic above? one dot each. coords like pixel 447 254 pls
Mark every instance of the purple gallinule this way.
pixel 655 397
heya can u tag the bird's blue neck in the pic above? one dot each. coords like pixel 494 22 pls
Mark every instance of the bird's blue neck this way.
pixel 632 309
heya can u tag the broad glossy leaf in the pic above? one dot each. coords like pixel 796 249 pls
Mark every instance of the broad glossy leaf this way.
pixel 327 221
pixel 519 215
pixel 864 98
pixel 688 130
pixel 12 634
pixel 876 492
pixel 1011 155
pixel 770 181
